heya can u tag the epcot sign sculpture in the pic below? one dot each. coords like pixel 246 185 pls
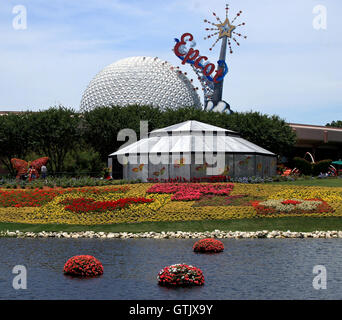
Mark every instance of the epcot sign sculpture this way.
pixel 211 86
pixel 193 57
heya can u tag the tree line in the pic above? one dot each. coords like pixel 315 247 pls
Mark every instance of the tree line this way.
pixel 335 124
pixel 81 142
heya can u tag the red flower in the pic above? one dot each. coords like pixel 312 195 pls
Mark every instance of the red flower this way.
pixel 83 266
pixel 323 207
pixel 291 202
pixel 38 197
pixel 27 198
pixel 180 275
pixel 90 205
pixel 190 191
pixel 208 245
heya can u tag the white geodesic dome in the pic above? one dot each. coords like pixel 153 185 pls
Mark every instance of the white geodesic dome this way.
pixel 142 81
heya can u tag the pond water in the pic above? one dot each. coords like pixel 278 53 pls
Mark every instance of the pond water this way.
pixel 247 269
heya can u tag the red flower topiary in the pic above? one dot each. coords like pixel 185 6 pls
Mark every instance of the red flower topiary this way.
pixel 208 245
pixel 180 275
pixel 83 266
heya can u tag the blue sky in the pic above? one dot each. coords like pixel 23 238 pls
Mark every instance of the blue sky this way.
pixel 285 67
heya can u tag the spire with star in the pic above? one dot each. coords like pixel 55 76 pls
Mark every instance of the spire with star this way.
pixel 224 30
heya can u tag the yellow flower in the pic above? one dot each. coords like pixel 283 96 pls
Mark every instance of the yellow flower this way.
pixel 163 209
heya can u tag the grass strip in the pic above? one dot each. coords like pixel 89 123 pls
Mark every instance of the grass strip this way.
pixel 299 224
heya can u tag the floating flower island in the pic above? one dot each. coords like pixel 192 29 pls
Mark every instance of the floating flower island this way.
pixel 83 266
pixel 180 275
pixel 208 245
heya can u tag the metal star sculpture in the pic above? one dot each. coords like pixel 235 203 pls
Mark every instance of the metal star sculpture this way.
pixel 225 30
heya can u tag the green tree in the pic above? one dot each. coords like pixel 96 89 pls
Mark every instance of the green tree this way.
pixel 269 132
pixel 14 141
pixel 53 133
pixel 102 125
pixel 83 162
pixel 336 124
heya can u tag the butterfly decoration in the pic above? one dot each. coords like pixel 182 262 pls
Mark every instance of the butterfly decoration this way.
pixel 259 167
pixel 138 168
pixel 202 167
pixel 22 166
pixel 244 162
pixel 159 173
pixel 179 163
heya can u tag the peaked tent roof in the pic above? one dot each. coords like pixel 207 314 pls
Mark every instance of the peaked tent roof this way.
pixel 190 126
pixel 184 137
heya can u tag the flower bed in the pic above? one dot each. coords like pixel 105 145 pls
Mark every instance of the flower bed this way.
pixel 180 275
pixel 190 191
pixel 83 266
pixel 208 245
pixel 39 197
pixel 162 208
pixel 27 198
pixel 240 200
pixel 90 205
pixel 292 206
pixel 94 190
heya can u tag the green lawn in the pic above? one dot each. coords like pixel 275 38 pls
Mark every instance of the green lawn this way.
pixel 304 224
pixel 329 182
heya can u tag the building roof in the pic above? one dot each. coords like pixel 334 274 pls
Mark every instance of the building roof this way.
pixel 314 127
pixel 189 127
pixel 5 113
pixel 308 134
pixel 192 136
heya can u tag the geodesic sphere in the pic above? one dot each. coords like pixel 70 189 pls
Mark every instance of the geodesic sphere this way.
pixel 142 81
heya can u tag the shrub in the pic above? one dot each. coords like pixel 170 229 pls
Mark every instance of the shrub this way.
pixel 321 167
pixel 303 166
pixel 83 266
pixel 311 169
pixel 180 275
pixel 208 245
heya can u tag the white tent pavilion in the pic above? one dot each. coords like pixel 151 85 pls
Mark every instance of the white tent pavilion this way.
pixel 194 149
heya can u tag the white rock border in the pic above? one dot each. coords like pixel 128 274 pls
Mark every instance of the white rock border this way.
pixel 175 234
